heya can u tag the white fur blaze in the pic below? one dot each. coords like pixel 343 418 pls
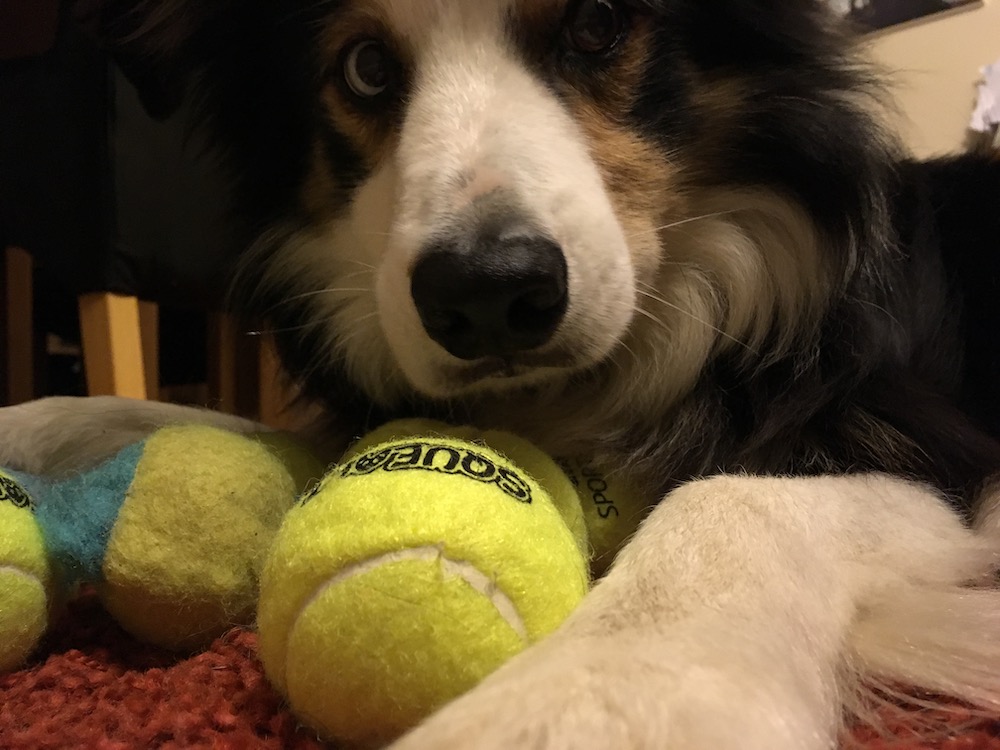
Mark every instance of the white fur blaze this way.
pixel 477 122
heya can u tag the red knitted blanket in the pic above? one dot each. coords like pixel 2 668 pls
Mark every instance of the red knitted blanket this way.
pixel 92 686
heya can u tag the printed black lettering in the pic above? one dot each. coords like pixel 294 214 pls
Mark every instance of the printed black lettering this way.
pixel 597 485
pixel 451 461
pixel 404 457
pixel 513 484
pixel 479 467
pixel 444 459
pixel 368 462
pixel 12 492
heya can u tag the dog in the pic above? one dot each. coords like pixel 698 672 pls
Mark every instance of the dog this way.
pixel 675 237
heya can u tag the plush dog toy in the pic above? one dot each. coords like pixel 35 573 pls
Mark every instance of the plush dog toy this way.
pixel 421 562
pixel 172 531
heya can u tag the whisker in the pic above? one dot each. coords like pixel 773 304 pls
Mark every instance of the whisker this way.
pixel 627 348
pixel 691 315
pixel 309 295
pixel 364 272
pixel 361 263
pixel 321 292
pixel 356 324
pixel 311 324
pixel 881 309
pixel 293 329
pixel 688 220
pixel 616 359
pixel 646 313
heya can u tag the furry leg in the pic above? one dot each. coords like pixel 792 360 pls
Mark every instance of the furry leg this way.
pixel 742 615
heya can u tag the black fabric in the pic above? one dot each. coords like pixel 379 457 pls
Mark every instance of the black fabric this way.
pixel 27 27
pixel 55 187
pixel 104 196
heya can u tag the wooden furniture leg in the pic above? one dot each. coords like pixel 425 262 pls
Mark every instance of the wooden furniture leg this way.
pixel 245 375
pixel 149 330
pixel 274 397
pixel 112 345
pixel 233 367
pixel 223 363
pixel 17 329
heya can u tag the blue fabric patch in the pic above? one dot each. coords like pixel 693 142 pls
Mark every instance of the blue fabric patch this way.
pixel 77 514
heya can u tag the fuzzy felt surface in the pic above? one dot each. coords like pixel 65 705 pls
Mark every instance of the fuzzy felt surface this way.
pixel 79 512
pixel 465 500
pixel 182 560
pixel 414 569
pixel 368 659
pixel 24 576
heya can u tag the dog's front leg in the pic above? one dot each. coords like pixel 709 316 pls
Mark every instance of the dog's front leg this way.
pixel 725 623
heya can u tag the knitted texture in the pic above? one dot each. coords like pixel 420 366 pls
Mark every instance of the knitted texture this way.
pixel 92 686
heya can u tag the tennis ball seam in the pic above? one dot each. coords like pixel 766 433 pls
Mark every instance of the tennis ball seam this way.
pixel 462 569
pixel 21 572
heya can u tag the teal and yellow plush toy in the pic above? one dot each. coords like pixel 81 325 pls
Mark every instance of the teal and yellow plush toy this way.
pixel 172 532
pixel 425 559
pixel 25 575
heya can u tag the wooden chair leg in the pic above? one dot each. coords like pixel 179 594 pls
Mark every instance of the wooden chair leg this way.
pixel 18 329
pixel 149 330
pixel 245 375
pixel 274 396
pixel 112 345
pixel 233 367
pixel 223 362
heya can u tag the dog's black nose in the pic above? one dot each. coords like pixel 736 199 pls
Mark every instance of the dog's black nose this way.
pixel 503 294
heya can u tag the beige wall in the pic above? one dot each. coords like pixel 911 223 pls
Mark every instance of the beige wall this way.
pixel 937 65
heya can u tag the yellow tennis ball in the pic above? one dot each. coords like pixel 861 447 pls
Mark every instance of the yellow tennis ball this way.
pixel 397 430
pixel 25 576
pixel 183 559
pixel 548 472
pixel 612 509
pixel 603 509
pixel 417 568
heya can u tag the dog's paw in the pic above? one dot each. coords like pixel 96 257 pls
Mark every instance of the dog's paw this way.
pixel 615 694
pixel 564 696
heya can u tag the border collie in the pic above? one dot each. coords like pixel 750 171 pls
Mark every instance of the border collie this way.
pixel 672 236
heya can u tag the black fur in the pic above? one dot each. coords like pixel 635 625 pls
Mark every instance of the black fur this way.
pixel 900 375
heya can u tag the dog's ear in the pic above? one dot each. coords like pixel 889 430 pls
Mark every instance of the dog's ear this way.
pixel 155 43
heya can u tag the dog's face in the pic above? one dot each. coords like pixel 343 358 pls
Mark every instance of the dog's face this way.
pixel 495 241
pixel 518 195
pixel 507 209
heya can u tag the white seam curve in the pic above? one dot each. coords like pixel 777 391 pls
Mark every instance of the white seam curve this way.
pixel 458 569
pixel 20 572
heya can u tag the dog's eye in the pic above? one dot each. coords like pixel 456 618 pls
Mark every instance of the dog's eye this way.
pixel 595 26
pixel 368 69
